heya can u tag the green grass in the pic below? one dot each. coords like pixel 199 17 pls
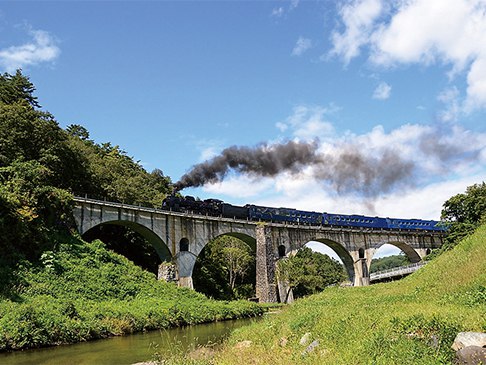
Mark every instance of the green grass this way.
pixel 412 321
pixel 82 291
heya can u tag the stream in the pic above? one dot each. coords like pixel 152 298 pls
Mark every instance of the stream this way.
pixel 128 349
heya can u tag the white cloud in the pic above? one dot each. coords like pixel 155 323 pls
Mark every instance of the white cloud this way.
pixel 450 98
pixel 449 32
pixel 358 18
pixel 382 91
pixel 280 11
pixel 208 153
pixel 239 187
pixel 294 4
pixel 308 122
pixel 302 45
pixel 42 48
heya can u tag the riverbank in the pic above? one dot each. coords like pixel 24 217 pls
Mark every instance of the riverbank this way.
pixel 412 321
pixel 199 340
pixel 82 291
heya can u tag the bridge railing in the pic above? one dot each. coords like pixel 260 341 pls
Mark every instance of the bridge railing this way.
pixel 396 271
pixel 104 202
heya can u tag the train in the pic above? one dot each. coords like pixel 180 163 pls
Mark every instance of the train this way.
pixel 216 207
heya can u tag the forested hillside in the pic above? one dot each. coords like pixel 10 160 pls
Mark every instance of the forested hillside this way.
pixel 42 166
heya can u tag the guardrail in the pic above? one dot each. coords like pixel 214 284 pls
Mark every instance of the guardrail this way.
pixel 396 271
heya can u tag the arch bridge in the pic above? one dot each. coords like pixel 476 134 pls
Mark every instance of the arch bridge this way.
pixel 179 238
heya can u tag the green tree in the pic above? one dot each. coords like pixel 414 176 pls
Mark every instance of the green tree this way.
pixel 225 269
pixel 464 213
pixel 15 88
pixel 309 272
pixel 384 263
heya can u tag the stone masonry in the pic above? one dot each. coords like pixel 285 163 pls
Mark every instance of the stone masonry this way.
pixel 179 238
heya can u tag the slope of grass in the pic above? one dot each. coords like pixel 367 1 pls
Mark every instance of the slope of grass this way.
pixel 83 291
pixel 413 321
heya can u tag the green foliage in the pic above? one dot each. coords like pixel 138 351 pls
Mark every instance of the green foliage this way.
pixel 309 272
pixel 388 262
pixel 115 175
pixel 17 88
pixel 464 213
pixel 81 291
pixel 30 209
pixel 225 269
pixel 55 287
pixel 41 166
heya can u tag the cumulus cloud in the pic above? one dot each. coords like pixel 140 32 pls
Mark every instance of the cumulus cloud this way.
pixel 42 48
pixel 449 32
pixel 382 91
pixel 309 122
pixel 302 45
pixel 405 172
pixel 362 167
pixel 359 19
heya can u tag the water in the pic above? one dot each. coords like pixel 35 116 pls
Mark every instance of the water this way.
pixel 127 349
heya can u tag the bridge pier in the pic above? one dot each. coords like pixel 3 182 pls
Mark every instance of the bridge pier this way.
pixel 266 287
pixel 361 274
pixel 185 262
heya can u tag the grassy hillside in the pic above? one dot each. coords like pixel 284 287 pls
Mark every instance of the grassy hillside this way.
pixel 82 291
pixel 413 321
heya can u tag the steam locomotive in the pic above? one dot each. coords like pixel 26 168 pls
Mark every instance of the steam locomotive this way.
pixel 216 207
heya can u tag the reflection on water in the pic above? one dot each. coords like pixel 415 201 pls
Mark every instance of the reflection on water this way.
pixel 127 349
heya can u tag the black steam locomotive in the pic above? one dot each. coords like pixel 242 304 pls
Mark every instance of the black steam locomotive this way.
pixel 216 207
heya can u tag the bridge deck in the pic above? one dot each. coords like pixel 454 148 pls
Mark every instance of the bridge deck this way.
pixel 247 221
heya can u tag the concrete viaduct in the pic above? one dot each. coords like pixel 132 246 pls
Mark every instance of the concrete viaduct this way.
pixel 179 238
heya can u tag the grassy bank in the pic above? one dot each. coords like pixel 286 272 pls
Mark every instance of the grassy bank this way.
pixel 413 321
pixel 83 291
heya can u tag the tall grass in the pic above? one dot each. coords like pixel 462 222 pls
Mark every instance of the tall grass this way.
pixel 413 321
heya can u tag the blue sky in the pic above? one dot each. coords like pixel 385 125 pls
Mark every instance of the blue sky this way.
pixel 174 83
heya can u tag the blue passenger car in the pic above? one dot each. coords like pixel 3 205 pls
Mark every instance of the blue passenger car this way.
pixel 415 224
pixel 344 220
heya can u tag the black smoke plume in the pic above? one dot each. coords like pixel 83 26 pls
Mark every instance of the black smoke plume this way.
pixel 348 168
pixel 263 160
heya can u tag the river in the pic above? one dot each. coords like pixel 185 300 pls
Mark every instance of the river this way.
pixel 127 349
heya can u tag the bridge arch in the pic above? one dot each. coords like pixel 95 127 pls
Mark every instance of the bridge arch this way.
pixel 157 243
pixel 211 279
pixel 340 251
pixel 408 250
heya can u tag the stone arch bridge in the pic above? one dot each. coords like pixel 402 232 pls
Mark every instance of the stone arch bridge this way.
pixel 180 237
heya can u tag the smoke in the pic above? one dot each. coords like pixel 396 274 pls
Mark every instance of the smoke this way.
pixel 263 160
pixel 351 171
pixel 348 167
